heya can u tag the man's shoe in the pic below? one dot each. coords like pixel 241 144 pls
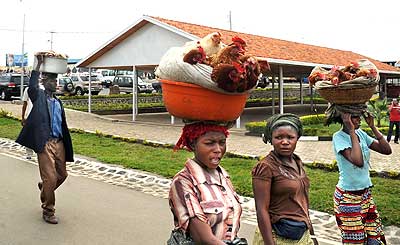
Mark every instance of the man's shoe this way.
pixel 51 219
pixel 396 142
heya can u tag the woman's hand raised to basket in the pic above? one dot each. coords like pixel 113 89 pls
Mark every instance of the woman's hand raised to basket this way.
pixel 346 117
pixel 369 119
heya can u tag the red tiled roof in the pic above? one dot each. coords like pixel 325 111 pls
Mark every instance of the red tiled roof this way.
pixel 280 49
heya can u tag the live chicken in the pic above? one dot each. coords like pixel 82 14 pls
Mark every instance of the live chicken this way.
pixel 228 76
pixel 210 44
pixel 195 56
pixel 230 53
pixel 337 75
pixel 353 67
pixel 252 71
pixel 369 73
pixel 315 77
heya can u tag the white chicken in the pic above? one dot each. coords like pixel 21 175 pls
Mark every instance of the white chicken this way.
pixel 211 44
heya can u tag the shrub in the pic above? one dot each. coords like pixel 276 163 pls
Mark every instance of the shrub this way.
pixel 256 127
pixel 315 99
pixel 107 96
pixel 99 133
pixel 383 130
pixel 331 167
pixel 315 131
pixel 312 119
pixel 379 109
pixel 4 113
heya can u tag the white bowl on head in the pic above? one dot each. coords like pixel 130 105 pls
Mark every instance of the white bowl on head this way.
pixel 52 65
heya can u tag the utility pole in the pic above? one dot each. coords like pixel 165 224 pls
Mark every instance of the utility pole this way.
pixel 230 28
pixel 51 40
pixel 23 56
pixel 230 20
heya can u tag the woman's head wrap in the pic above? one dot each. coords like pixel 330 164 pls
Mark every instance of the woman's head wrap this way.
pixel 278 120
pixel 191 132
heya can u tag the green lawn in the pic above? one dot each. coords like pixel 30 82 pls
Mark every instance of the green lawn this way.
pixel 165 162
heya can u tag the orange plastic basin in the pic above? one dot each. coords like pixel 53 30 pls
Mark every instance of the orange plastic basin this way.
pixel 194 102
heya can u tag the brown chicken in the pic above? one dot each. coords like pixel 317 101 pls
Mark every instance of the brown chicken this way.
pixel 228 76
pixel 195 56
pixel 337 75
pixel 264 66
pixel 334 75
pixel 239 42
pixel 353 68
pixel 252 71
pixel 315 77
pixel 230 53
pixel 369 73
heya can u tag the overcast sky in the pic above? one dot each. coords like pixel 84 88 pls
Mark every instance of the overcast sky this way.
pixel 79 27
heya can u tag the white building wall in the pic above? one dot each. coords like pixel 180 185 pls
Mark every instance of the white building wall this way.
pixel 144 47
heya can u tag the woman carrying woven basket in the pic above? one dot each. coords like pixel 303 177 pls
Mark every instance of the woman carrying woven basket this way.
pixel 202 199
pixel 355 210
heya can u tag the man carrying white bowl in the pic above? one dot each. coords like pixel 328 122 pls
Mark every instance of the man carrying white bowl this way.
pixel 46 132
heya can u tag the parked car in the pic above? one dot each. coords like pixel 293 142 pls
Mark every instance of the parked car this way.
pixel 263 82
pixel 125 84
pixel 81 83
pixel 155 83
pixel 65 86
pixel 107 77
pixel 10 85
pixel 106 82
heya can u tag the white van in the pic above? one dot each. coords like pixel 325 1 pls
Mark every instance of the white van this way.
pixel 107 76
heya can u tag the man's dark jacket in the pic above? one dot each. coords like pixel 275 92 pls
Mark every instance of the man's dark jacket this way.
pixel 36 131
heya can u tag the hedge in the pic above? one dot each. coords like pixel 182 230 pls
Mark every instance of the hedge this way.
pixel 73 97
pixel 257 128
pixel 309 127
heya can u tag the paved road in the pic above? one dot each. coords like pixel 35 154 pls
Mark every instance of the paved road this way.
pixel 90 211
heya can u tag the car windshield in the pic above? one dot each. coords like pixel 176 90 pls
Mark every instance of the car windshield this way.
pixel 17 79
pixel 86 78
pixel 64 80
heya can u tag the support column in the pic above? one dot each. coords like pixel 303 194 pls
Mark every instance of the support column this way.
pixel 301 91
pixel 90 91
pixel 23 59
pixel 134 94
pixel 280 90
pixel 273 94
pixel 383 81
pixel 238 122
pixel 312 98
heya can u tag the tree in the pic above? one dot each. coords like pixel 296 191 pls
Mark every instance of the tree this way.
pixel 379 109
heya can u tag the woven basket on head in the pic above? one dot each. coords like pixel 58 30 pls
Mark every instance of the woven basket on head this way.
pixel 345 95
